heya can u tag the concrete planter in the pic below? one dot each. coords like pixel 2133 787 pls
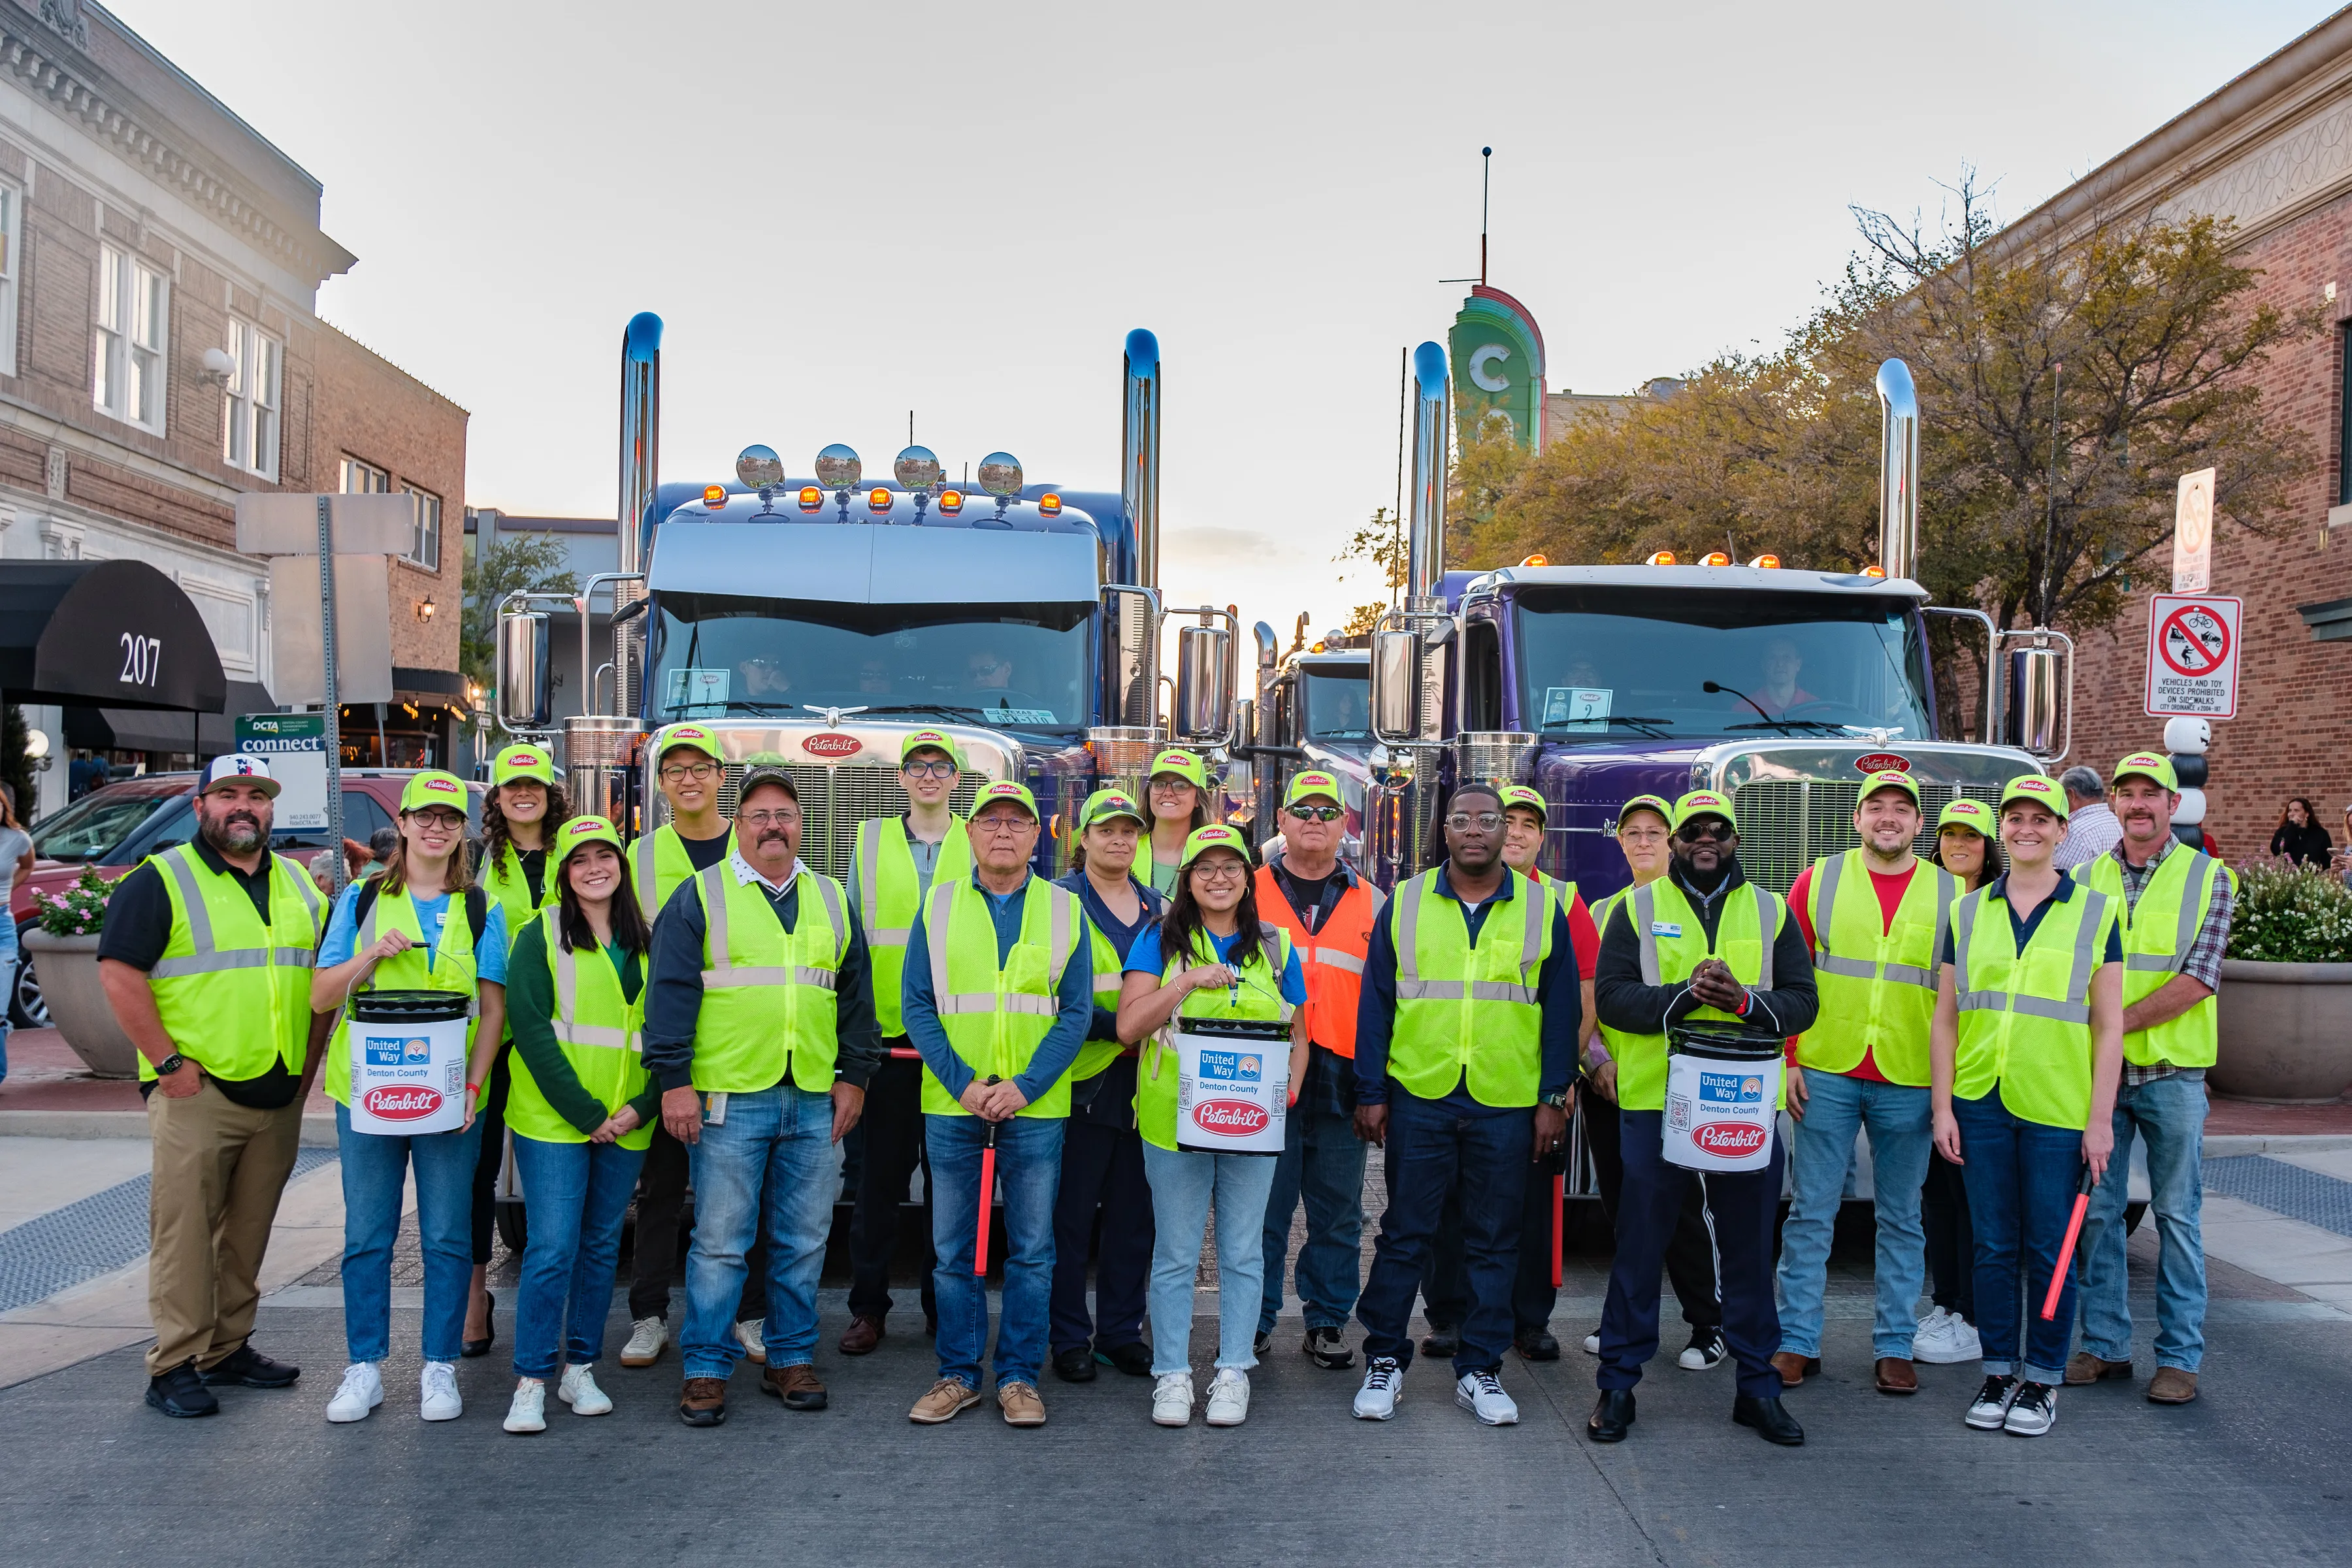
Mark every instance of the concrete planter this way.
pixel 78 1003
pixel 2285 1031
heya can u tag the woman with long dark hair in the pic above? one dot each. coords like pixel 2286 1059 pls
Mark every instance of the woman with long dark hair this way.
pixel 2301 837
pixel 1209 957
pixel 521 815
pixel 1965 848
pixel 581 1110
pixel 1177 795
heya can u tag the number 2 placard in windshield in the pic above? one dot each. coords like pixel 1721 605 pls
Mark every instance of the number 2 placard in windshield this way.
pixel 1579 710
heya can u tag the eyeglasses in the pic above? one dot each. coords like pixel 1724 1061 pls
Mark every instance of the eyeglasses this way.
pixel 681 772
pixel 782 817
pixel 1170 787
pixel 935 769
pixel 1219 870
pixel 1641 836
pixel 1489 820
pixel 1317 813
pixel 1003 826
pixel 1710 830
pixel 440 821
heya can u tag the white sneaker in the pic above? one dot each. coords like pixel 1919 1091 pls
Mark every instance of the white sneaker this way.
pixel 646 1338
pixel 2034 1412
pixel 1990 1410
pixel 748 1334
pixel 1229 1397
pixel 1945 1339
pixel 361 1391
pixel 1593 1342
pixel 1376 1401
pixel 528 1411
pixel 1966 1345
pixel 1172 1399
pixel 437 1393
pixel 1481 1393
pixel 579 1389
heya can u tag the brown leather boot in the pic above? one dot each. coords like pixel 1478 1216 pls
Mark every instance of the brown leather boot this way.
pixel 1794 1368
pixel 1896 1374
pixel 2087 1368
pixel 862 1335
pixel 703 1402
pixel 797 1385
pixel 2171 1385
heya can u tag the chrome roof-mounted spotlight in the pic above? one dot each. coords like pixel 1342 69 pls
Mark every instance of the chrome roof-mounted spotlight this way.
pixel 839 470
pixel 1000 476
pixel 761 469
pixel 917 469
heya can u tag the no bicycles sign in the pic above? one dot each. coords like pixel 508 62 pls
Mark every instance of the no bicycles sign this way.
pixel 2192 656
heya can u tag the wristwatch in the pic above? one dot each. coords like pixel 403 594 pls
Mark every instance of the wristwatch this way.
pixel 1557 1101
pixel 169 1065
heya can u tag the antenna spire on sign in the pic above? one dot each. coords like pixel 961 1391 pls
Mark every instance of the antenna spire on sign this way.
pixel 1485 180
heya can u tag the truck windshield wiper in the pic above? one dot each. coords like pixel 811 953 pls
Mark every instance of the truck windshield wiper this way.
pixel 1652 727
pixel 1789 726
pixel 949 709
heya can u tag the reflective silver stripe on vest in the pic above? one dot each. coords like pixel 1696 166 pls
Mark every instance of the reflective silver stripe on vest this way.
pixel 1062 946
pixel 1768 928
pixel 1645 916
pixel 432 949
pixel 567 995
pixel 2076 1007
pixel 1829 962
pixel 208 959
pixel 727 975
pixel 2203 869
pixel 1645 913
pixel 641 854
pixel 1412 987
pixel 1333 958
pixel 868 870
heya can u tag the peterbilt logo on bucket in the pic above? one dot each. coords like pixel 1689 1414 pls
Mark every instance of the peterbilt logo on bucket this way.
pixel 832 744
pixel 405 1102
pixel 1882 763
pixel 1230 1118
pixel 1730 1137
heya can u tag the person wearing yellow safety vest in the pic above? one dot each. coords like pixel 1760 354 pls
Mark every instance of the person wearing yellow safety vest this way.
pixel 583 1111
pixel 686 767
pixel 998 996
pixel 1209 958
pixel 893 864
pixel 1947 1335
pixel 760 1032
pixel 520 814
pixel 2027 1044
pixel 205 957
pixel 421 926
pixel 1177 791
pixel 2177 906
pixel 1875 918
pixel 1701 944
pixel 1465 1064
pixel 1102 1153
pixel 1644 834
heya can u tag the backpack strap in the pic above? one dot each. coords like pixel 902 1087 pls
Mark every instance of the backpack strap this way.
pixel 478 912
pixel 368 891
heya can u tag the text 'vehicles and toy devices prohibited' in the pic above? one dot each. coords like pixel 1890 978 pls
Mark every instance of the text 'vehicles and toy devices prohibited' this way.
pixel 2192 656
pixel 1232 1086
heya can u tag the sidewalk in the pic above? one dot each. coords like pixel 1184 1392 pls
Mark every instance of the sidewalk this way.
pixel 50 1094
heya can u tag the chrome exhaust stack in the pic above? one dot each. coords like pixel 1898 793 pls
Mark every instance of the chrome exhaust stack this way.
pixel 1139 452
pixel 1431 421
pixel 1898 470
pixel 595 745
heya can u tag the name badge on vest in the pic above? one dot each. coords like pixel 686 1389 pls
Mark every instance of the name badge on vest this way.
pixel 1664 928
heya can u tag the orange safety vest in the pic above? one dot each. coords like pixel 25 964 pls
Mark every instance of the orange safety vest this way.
pixel 1331 961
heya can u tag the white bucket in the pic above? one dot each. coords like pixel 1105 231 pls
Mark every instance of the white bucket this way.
pixel 1723 1098
pixel 1233 1085
pixel 408 1062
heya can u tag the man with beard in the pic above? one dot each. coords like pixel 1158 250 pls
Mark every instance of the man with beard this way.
pixel 206 959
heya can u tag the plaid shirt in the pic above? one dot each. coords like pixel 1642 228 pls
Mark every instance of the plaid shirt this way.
pixel 2201 963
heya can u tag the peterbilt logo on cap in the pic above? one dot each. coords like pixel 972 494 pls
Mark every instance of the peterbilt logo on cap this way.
pixel 444 785
pixel 523 758
pixel 2033 786
pixel 1217 834
pixel 927 738
pixel 1315 781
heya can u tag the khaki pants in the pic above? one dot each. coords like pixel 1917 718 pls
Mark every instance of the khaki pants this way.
pixel 219 1170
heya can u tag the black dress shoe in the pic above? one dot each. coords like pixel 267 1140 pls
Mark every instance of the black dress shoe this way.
pixel 1262 1342
pixel 246 1367
pixel 1133 1358
pixel 1770 1418
pixel 1539 1346
pixel 1612 1417
pixel 481 1347
pixel 179 1392
pixel 1076 1364
pixel 1444 1340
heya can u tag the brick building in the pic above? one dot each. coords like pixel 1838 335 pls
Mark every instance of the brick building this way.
pixel 161 351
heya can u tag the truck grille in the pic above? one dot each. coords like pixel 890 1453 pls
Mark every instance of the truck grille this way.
pixel 833 801
pixel 1786 824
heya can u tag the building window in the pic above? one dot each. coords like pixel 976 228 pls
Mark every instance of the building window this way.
pixel 128 379
pixel 426 551
pixel 249 402
pixel 12 211
pixel 364 478
pixel 2344 416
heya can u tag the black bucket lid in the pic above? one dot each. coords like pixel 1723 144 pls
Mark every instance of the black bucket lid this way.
pixel 409 1006
pixel 1731 1042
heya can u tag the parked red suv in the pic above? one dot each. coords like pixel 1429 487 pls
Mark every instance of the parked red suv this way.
pixel 116 826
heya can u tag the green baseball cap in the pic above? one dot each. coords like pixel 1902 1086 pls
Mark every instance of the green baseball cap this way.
pixel 937 740
pixel 1526 799
pixel 1105 804
pixel 2149 765
pixel 2034 787
pixel 1972 814
pixel 1703 803
pixel 1006 789
pixel 1889 778
pixel 1310 783
pixel 695 735
pixel 522 761
pixel 1216 836
pixel 433 787
pixel 1656 803
pixel 580 830
pixel 1184 764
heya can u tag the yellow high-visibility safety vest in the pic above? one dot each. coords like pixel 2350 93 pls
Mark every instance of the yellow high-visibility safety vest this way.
pixel 2025 1018
pixel 1876 982
pixel 2157 933
pixel 658 863
pixel 996 1015
pixel 769 1000
pixel 1464 1012
pixel 234 993
pixel 1673 944
pixel 603 1037
pixel 887 890
pixel 448 964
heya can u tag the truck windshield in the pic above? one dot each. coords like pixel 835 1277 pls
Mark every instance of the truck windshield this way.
pixel 717 654
pixel 1599 660
pixel 1339 701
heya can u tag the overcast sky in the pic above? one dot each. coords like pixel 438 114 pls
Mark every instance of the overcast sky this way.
pixel 845 212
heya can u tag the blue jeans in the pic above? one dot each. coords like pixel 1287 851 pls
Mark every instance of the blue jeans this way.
pixel 10 955
pixel 375 1168
pixel 1322 1160
pixel 1029 1174
pixel 577 1194
pixel 2020 1177
pixel 2169 1112
pixel 1434 1151
pixel 1900 1120
pixel 772 1159
pixel 1182 1182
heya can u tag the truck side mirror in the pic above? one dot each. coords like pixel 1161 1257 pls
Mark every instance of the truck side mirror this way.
pixel 2037 684
pixel 1205 697
pixel 525 674
pixel 1130 649
pixel 1396 686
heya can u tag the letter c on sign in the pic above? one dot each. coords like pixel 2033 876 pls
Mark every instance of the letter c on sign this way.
pixel 1484 378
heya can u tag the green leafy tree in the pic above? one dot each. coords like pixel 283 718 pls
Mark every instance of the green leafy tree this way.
pixel 1379 544
pixel 531 562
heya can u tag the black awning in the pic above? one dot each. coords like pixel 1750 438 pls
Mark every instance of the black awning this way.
pixel 160 730
pixel 117 634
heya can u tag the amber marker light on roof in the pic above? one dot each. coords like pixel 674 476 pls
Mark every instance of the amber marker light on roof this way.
pixel 811 498
pixel 714 496
pixel 1536 560
pixel 1715 558
pixel 1049 505
pixel 1663 558
pixel 951 501
pixel 1873 571
pixel 879 500
pixel 1767 562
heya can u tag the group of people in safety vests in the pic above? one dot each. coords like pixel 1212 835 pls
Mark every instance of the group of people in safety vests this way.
pixel 702 1006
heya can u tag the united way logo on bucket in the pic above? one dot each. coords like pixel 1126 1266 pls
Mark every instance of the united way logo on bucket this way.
pixel 1717 1089
pixel 401 1102
pixel 1232 1067
pixel 1230 1118
pixel 398 1051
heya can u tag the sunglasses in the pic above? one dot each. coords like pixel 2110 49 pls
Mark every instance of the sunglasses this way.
pixel 1709 831
pixel 1317 813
